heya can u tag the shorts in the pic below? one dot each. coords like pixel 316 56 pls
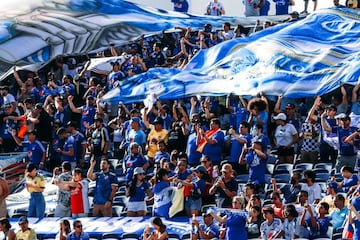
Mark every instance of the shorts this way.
pixel 282 151
pixel 193 204
pixel 136 206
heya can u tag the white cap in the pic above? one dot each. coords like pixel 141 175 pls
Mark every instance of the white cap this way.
pixel 280 116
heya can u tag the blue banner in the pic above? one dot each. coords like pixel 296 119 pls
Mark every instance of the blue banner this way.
pixel 300 59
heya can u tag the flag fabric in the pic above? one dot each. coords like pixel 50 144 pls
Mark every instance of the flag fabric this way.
pixel 309 57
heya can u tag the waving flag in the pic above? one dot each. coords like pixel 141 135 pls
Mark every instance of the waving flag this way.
pixel 36 31
pixel 306 58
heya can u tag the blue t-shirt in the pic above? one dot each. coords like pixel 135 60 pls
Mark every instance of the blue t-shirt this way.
pixel 131 162
pixel 236 147
pixel 235 225
pixel 257 167
pixel 159 155
pixel 140 192
pixel 212 229
pixel 282 7
pixel 103 189
pixel 83 236
pixel 321 231
pixel 87 115
pixel 180 6
pixel 349 182
pixel 214 151
pixel 113 77
pixel 79 139
pixel 69 144
pixel 191 147
pixel 35 151
pixel 184 175
pixel 162 200
pixel 346 149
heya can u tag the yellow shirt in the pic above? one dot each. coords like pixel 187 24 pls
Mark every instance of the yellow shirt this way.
pixel 38 181
pixel 153 138
pixel 29 234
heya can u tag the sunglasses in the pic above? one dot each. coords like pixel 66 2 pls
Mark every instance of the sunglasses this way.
pixel 78 226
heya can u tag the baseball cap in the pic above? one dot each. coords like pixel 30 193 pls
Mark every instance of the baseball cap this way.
pixel 90 98
pixel 7 105
pixel 334 186
pixel 332 107
pixel 138 170
pixel 22 220
pixel 280 116
pixel 158 120
pixel 200 168
pixel 290 106
pixel 135 119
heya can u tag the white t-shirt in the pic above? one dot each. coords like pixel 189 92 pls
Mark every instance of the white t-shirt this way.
pixel 314 192
pixel 284 134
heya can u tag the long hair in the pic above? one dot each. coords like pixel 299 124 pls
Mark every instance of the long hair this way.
pixel 5 222
pixel 157 221
pixel 132 189
pixel 160 174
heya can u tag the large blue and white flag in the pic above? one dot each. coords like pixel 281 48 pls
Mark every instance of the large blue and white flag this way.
pixel 301 59
pixel 34 31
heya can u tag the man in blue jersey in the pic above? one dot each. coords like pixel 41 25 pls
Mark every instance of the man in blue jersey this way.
pixel 87 111
pixel 105 189
pixel 67 150
pixel 180 5
pixel 36 151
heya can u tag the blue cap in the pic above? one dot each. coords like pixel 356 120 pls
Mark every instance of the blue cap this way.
pixel 334 186
pixel 135 119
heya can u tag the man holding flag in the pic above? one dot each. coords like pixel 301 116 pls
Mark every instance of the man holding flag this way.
pixel 211 142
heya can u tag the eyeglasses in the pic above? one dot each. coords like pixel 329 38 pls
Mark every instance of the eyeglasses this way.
pixel 78 226
pixel 204 161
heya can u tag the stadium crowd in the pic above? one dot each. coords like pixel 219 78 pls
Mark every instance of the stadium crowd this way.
pixel 253 167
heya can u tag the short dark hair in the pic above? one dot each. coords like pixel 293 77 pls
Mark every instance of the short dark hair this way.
pixel 310 174
pixel 268 209
pixel 66 165
pixel 30 167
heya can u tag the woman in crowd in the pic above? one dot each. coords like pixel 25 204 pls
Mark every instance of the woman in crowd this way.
pixel 159 232
pixel 253 201
pixel 65 229
pixel 254 222
pixel 5 227
pixel 235 221
pixel 286 136
pixel 136 190
pixel 194 202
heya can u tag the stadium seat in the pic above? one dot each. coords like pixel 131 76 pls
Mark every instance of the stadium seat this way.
pixel 283 168
pixel 120 200
pixel 282 178
pixel 336 236
pixel 186 236
pixel 117 210
pixel 173 236
pixel 130 236
pixel 272 158
pixel 270 168
pixel 111 236
pixel 327 166
pixel 304 166
pixel 242 178
pixel 322 177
